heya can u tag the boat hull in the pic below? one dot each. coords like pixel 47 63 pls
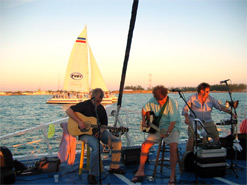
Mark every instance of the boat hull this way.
pixel 109 100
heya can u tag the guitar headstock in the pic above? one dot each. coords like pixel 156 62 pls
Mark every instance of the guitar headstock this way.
pixel 118 129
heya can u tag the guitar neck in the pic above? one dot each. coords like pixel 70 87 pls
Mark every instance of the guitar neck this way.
pixel 158 129
pixel 102 126
pixel 154 127
pixel 122 129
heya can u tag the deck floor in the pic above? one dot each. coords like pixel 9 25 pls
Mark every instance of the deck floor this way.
pixel 68 174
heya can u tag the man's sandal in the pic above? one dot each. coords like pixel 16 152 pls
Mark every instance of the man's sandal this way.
pixel 138 178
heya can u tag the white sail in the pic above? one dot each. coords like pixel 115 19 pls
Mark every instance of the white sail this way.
pixel 76 77
pixel 76 81
pixel 97 80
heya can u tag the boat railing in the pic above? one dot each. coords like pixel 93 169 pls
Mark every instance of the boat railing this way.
pixel 33 128
pixel 34 142
pixel 30 143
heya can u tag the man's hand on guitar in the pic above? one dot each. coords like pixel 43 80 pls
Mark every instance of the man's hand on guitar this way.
pixel 82 125
pixel 97 133
pixel 164 133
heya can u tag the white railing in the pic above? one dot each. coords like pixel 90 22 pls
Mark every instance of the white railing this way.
pixel 30 143
pixel 20 145
pixel 33 128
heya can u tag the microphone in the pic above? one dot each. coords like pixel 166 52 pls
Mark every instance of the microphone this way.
pixel 224 81
pixel 176 90
pixel 93 98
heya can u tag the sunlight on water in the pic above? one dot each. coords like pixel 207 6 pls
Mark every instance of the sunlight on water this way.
pixel 21 112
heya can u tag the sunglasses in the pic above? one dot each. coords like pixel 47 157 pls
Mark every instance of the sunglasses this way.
pixel 98 101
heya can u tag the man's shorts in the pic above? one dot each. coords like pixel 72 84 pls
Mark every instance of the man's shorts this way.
pixel 172 138
pixel 210 128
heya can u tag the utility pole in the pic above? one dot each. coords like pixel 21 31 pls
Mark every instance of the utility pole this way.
pixel 58 81
pixel 150 81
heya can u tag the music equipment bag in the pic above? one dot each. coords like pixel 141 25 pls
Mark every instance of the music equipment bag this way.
pixel 48 164
pixel 7 166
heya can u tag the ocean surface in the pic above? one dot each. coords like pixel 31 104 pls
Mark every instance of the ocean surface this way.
pixel 22 112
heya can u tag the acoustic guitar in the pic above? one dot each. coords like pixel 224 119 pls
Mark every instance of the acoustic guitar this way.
pixel 152 125
pixel 91 123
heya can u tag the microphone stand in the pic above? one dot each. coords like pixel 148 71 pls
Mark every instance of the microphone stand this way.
pixel 232 129
pixel 98 129
pixel 182 96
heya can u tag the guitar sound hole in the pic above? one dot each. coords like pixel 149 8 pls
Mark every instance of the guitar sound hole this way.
pixel 83 130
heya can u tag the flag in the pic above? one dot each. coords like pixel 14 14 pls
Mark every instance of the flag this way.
pixel 81 39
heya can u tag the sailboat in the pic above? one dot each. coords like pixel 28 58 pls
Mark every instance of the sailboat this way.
pixel 76 82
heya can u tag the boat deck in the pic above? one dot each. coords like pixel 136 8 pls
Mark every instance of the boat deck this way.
pixel 68 174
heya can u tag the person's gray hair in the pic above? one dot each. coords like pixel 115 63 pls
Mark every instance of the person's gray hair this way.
pixel 98 92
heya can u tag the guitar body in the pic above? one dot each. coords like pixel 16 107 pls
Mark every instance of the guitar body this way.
pixel 151 123
pixel 91 123
pixel 73 128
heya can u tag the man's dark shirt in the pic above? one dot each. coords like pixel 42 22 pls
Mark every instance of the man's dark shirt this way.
pixel 87 108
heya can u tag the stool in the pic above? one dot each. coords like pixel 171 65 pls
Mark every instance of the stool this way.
pixel 162 148
pixel 88 158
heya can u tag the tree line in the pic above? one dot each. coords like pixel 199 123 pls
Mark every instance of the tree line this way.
pixel 217 87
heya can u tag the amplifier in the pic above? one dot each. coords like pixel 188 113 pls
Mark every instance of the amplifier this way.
pixel 131 155
pixel 211 162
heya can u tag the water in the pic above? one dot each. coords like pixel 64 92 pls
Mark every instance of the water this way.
pixel 21 112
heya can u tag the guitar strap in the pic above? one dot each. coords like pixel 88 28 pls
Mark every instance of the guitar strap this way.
pixel 162 110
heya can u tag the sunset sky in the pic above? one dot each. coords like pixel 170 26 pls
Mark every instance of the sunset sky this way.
pixel 179 42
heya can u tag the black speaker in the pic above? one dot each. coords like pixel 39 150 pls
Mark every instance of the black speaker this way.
pixel 131 155
pixel 7 176
pixel 227 143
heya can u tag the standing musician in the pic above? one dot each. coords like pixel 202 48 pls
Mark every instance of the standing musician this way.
pixel 202 105
pixel 170 121
pixel 87 108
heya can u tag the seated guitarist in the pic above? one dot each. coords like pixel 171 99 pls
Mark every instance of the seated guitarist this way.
pixel 170 121
pixel 87 108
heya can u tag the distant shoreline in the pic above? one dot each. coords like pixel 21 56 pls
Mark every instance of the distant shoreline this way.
pixel 150 92
pixel 19 93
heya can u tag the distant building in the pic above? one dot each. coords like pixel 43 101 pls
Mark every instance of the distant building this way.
pixel 2 93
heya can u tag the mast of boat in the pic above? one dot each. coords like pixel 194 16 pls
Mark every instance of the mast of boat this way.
pixel 127 51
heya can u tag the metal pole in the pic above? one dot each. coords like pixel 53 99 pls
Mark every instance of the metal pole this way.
pixel 127 51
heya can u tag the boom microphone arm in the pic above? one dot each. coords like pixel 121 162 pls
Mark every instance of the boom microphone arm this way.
pixel 230 94
pixel 235 142
pixel 183 98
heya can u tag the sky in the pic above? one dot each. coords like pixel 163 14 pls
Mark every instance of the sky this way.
pixel 176 43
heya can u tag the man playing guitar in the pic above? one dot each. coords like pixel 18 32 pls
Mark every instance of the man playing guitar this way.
pixel 170 121
pixel 87 108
